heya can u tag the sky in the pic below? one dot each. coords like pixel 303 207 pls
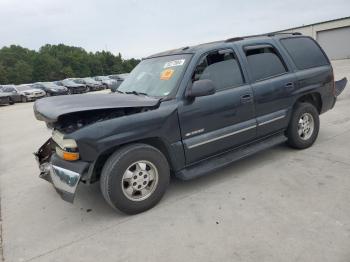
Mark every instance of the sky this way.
pixel 137 28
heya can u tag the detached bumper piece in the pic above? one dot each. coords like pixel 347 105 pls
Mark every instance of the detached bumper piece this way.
pixel 340 86
pixel 63 175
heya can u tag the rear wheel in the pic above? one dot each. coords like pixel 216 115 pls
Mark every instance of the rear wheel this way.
pixel 135 178
pixel 304 126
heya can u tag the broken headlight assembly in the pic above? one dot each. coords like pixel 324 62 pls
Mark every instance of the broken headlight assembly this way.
pixel 67 149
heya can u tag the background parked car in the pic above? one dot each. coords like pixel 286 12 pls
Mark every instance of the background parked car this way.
pixel 73 88
pixel 22 93
pixel 14 97
pixel 106 81
pixel 29 93
pixel 119 78
pixel 51 88
pixel 91 84
pixel 4 99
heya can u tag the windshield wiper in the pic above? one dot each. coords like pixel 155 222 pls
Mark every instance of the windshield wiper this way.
pixel 120 92
pixel 136 93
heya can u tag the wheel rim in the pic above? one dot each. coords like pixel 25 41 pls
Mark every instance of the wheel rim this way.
pixel 140 180
pixel 306 126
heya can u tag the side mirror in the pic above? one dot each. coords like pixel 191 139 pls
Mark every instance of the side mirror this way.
pixel 203 87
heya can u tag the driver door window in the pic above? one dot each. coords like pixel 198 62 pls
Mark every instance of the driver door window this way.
pixel 221 68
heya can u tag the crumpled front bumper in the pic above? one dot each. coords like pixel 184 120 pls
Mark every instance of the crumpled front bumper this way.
pixel 63 175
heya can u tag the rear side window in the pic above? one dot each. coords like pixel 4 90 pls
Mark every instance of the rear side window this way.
pixel 304 52
pixel 221 68
pixel 264 62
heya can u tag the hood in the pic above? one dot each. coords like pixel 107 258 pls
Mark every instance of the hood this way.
pixel 32 91
pixel 57 89
pixel 51 108
pixel 75 85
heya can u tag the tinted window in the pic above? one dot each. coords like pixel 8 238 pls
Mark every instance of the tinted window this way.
pixel 222 69
pixel 304 52
pixel 264 63
pixel 8 89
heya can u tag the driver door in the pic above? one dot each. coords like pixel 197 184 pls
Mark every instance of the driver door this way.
pixel 216 123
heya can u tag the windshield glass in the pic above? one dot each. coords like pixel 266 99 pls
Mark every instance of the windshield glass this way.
pixel 100 78
pixel 156 76
pixel 24 87
pixel 68 82
pixel 49 84
pixel 90 80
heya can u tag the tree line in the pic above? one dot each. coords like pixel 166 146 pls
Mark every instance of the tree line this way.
pixel 55 62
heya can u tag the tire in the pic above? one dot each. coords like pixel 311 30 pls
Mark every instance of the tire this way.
pixel 118 175
pixel 11 101
pixel 88 89
pixel 24 99
pixel 298 135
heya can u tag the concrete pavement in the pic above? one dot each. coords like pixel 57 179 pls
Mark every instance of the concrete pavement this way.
pixel 279 205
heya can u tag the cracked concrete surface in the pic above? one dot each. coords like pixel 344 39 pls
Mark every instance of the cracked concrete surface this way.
pixel 278 205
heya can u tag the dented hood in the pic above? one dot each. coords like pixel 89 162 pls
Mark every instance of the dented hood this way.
pixel 51 108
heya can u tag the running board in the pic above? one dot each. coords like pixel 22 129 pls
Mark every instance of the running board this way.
pixel 212 164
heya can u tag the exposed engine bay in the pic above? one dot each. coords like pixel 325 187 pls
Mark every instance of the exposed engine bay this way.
pixel 74 121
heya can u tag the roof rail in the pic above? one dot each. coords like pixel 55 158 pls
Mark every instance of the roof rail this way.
pixel 233 39
pixel 283 33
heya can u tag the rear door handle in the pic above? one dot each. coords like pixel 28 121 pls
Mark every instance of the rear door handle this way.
pixel 247 98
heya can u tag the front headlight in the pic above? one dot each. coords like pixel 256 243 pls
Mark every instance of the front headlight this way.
pixel 67 149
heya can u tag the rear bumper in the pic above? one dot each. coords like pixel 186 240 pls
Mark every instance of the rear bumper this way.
pixel 63 175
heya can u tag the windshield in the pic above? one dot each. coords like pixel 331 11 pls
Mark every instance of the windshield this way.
pixel 100 78
pixel 49 84
pixel 68 82
pixel 24 87
pixel 90 80
pixel 156 76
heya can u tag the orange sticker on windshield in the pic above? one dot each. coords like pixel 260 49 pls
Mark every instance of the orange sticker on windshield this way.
pixel 166 74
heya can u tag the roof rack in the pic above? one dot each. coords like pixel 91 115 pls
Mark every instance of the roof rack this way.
pixel 233 39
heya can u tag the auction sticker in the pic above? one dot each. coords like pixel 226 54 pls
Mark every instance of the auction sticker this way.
pixel 178 62
pixel 166 74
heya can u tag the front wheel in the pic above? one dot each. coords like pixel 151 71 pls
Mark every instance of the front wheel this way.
pixel 304 126
pixel 135 178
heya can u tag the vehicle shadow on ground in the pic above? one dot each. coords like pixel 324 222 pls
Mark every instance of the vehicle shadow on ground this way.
pixel 90 198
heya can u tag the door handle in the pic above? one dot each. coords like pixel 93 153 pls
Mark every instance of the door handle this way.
pixel 289 85
pixel 247 98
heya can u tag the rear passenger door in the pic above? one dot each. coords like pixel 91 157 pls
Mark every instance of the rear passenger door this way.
pixel 273 84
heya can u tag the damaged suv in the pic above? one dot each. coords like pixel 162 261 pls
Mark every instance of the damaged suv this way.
pixel 186 112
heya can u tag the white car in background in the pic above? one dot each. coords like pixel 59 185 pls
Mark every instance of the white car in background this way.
pixel 28 92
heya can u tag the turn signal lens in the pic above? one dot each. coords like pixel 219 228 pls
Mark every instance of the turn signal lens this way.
pixel 69 156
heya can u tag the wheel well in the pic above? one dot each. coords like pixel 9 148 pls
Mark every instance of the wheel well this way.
pixel 102 158
pixel 314 99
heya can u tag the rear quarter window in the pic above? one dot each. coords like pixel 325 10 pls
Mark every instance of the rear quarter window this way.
pixel 304 52
pixel 264 63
